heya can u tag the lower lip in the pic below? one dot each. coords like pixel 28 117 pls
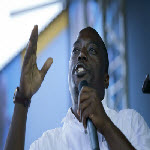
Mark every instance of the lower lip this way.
pixel 80 74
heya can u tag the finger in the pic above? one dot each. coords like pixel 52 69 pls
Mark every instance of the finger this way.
pixel 83 97
pixel 34 38
pixel 86 89
pixel 83 106
pixel 46 66
pixel 28 65
pixel 32 45
pixel 85 115
pixel 34 35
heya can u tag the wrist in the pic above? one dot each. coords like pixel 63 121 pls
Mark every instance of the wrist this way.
pixel 20 98
pixel 107 125
pixel 20 108
pixel 24 93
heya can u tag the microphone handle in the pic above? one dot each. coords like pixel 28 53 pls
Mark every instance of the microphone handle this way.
pixel 93 135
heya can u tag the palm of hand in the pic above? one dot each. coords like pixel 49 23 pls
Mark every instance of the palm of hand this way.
pixel 31 77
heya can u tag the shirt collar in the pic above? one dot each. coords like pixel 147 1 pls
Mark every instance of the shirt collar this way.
pixel 70 117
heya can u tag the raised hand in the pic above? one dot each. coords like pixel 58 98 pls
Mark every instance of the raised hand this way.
pixel 31 76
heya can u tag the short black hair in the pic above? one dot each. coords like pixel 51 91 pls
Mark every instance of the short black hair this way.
pixel 101 43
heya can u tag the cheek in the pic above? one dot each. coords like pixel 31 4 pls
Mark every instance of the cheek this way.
pixel 97 66
pixel 99 72
pixel 71 65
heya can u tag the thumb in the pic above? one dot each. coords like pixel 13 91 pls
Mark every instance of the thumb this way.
pixel 46 66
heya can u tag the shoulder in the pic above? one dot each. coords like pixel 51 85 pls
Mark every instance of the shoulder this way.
pixel 128 120
pixel 140 132
pixel 134 127
pixel 133 118
pixel 128 114
pixel 137 122
pixel 47 140
pixel 125 115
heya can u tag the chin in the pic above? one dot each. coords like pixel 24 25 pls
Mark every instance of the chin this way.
pixel 78 79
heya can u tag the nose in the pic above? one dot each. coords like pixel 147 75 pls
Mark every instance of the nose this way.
pixel 82 56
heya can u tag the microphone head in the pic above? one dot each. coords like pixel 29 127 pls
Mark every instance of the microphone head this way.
pixel 81 84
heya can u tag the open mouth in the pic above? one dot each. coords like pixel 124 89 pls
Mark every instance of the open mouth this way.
pixel 80 70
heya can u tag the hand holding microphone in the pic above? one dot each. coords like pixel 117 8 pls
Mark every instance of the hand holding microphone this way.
pixel 91 128
pixel 91 112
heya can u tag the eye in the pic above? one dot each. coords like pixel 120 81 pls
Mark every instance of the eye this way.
pixel 75 50
pixel 92 50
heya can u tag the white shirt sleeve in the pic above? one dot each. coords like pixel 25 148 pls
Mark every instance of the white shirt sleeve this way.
pixel 41 143
pixel 140 136
pixel 48 141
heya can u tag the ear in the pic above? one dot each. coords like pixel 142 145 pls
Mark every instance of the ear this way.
pixel 106 80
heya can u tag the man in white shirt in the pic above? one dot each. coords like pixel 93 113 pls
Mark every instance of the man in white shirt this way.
pixel 125 130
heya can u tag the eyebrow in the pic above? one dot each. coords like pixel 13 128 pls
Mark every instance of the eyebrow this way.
pixel 94 43
pixel 77 42
pixel 90 42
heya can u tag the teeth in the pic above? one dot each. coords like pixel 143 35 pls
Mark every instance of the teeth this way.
pixel 80 69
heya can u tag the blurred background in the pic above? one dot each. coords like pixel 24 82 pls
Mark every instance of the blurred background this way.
pixel 124 26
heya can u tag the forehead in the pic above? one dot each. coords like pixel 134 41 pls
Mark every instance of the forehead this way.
pixel 88 37
pixel 86 33
pixel 83 42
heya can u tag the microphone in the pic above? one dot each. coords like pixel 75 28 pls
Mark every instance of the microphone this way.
pixel 91 128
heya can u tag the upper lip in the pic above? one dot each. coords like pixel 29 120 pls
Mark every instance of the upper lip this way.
pixel 78 65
